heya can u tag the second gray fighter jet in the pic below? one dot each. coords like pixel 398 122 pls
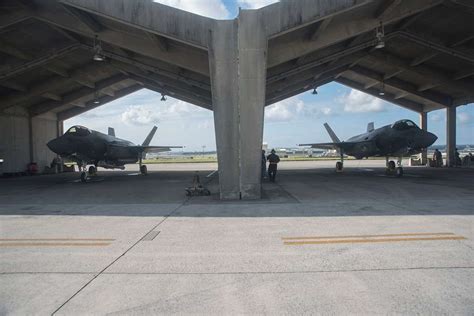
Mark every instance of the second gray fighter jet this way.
pixel 402 138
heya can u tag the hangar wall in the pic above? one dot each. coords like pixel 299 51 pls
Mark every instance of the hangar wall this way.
pixel 16 148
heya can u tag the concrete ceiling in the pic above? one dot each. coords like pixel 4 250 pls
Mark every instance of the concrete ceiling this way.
pixel 46 48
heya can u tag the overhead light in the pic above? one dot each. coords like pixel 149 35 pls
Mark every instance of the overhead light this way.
pixel 314 91
pixel 96 98
pixel 98 52
pixel 379 36
pixel 382 92
pixel 163 97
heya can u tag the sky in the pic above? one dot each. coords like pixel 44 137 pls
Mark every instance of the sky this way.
pixel 295 120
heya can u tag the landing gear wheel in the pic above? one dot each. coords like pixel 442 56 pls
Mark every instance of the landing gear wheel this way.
pixel 391 165
pixel 83 177
pixel 92 170
pixel 339 166
pixel 143 170
pixel 399 172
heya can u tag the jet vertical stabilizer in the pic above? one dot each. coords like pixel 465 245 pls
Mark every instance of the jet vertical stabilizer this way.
pixel 331 133
pixel 111 132
pixel 148 139
pixel 370 127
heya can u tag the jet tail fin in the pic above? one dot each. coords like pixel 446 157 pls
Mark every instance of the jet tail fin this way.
pixel 111 132
pixel 370 127
pixel 331 133
pixel 148 139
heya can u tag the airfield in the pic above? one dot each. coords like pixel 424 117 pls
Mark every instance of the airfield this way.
pixel 318 241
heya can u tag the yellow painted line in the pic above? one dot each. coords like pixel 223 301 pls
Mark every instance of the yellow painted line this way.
pixel 367 236
pixel 347 241
pixel 56 239
pixel 54 244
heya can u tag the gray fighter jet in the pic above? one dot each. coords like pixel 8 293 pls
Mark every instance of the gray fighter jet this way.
pixel 89 147
pixel 402 138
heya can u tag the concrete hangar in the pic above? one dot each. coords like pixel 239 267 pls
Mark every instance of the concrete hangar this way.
pixel 61 58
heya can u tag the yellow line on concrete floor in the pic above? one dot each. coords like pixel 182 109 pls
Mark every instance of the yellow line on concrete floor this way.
pixel 53 244
pixel 56 239
pixel 367 236
pixel 347 241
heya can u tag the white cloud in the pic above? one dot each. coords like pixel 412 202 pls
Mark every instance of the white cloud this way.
pixel 211 8
pixel 284 111
pixel 360 102
pixel 139 115
pixel 151 113
pixel 464 118
pixel 254 4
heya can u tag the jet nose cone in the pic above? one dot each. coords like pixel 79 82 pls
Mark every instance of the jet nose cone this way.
pixel 55 145
pixel 430 138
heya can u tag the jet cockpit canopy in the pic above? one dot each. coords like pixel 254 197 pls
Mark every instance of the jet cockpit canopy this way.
pixel 78 130
pixel 404 125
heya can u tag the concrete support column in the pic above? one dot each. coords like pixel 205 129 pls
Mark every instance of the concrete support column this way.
pixel 450 135
pixel 424 126
pixel 252 47
pixel 237 59
pixel 224 80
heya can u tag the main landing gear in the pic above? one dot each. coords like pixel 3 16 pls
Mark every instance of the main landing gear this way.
pixel 340 164
pixel 143 168
pixel 392 169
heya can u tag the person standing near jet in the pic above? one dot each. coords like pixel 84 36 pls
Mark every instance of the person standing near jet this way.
pixel 273 160
pixel 438 158
pixel 264 164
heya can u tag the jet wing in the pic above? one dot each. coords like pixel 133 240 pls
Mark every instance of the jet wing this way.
pixel 157 149
pixel 341 145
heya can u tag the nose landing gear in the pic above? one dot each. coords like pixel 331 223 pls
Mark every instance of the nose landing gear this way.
pixel 392 169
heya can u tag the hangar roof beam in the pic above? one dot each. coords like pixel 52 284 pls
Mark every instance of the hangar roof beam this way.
pixel 282 51
pixel 85 18
pixel 436 78
pixel 47 86
pixel 154 17
pixel 192 59
pixel 407 87
pixel 40 61
pixel 385 8
pixel 44 107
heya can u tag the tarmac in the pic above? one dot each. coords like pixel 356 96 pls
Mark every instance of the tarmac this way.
pixel 319 242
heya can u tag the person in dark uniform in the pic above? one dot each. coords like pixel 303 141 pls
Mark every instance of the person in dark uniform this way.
pixel 438 157
pixel 264 164
pixel 273 160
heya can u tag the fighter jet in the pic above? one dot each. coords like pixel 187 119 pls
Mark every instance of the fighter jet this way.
pixel 89 147
pixel 402 138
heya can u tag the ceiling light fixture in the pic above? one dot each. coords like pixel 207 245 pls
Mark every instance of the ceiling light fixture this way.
pixel 379 36
pixel 96 98
pixel 382 92
pixel 163 97
pixel 98 52
pixel 314 91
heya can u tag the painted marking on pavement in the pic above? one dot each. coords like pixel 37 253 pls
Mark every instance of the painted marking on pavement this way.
pixel 54 244
pixel 346 241
pixel 319 240
pixel 56 239
pixel 366 236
